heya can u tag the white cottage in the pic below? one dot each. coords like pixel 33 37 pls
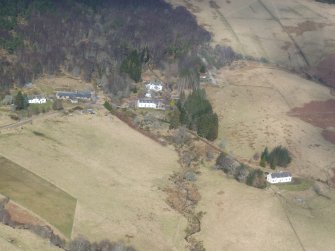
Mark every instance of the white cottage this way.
pixel 154 86
pixel 150 103
pixel 281 177
pixel 37 100
pixel 147 103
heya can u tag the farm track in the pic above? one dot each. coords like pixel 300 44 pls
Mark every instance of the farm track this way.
pixel 301 53
pixel 26 121
pixel 278 195
pixel 230 28
pixel 17 124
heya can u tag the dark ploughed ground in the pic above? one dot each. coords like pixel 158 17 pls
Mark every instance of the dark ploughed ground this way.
pixel 320 114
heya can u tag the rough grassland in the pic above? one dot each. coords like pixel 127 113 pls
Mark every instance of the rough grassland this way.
pixel 115 173
pixel 20 239
pixel 238 217
pixel 37 195
pixel 280 31
pixel 252 104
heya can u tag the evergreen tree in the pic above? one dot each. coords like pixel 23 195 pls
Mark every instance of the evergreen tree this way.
pixel 132 65
pixel 264 157
pixel 21 101
pixel 279 156
pixel 197 114
pixel 174 117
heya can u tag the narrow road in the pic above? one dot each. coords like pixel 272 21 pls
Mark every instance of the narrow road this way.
pixel 16 124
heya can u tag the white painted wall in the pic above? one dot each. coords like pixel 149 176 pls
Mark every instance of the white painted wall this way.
pixel 146 105
pixel 278 180
pixel 37 101
pixel 154 87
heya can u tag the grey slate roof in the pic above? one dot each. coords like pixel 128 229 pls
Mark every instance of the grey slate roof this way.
pixel 74 95
pixel 281 175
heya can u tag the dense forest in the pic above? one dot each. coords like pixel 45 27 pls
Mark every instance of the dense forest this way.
pixel 108 42
pixel 326 1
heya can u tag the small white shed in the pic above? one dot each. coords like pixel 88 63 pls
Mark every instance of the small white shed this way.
pixel 37 100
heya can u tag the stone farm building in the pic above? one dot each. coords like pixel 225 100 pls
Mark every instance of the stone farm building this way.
pixel 150 103
pixel 37 100
pixel 74 96
pixel 281 177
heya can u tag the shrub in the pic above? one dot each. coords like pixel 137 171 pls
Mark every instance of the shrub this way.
pixel 80 243
pixel 241 173
pixel 57 105
pixel 227 164
pixel 108 106
pixel 190 176
pixel 174 118
pixel 181 137
pixel 256 179
pixel 279 156
pixel 21 101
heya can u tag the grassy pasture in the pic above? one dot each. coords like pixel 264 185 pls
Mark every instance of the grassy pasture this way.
pixel 298 184
pixel 37 195
pixel 115 173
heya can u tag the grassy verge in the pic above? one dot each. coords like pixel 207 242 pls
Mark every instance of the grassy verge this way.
pixel 36 194
pixel 298 184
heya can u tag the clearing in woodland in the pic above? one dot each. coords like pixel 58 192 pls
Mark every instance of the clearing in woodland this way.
pixel 38 195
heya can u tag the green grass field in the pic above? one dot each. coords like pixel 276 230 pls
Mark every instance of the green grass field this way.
pixel 298 184
pixel 38 195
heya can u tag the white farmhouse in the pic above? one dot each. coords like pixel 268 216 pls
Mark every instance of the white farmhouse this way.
pixel 280 177
pixel 150 103
pixel 146 103
pixel 154 86
pixel 37 100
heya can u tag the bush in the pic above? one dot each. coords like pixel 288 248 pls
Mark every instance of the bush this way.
pixel 181 137
pixel 241 173
pixel 256 179
pixel 57 105
pixel 174 118
pixel 108 106
pixel 262 163
pixel 227 164
pixel 21 101
pixel 80 243
pixel 279 156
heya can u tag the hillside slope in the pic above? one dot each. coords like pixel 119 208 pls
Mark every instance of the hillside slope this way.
pixel 293 34
pixel 101 41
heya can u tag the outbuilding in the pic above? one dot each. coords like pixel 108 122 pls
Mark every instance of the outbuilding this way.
pixel 37 100
pixel 155 86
